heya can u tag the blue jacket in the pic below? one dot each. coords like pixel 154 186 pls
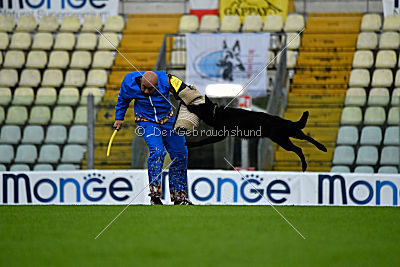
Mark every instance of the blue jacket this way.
pixel 154 107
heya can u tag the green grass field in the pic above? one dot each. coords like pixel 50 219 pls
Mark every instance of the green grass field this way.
pixel 198 236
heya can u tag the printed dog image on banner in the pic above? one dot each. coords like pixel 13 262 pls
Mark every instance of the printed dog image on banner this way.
pixel 227 58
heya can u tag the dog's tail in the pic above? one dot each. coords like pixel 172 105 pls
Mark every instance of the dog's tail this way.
pixel 303 120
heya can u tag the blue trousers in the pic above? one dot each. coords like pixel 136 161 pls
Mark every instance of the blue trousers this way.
pixel 159 137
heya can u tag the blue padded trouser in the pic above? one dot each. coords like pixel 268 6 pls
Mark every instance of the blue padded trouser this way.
pixel 158 136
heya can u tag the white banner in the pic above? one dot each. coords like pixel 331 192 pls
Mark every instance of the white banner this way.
pixel 59 8
pixel 205 188
pixel 391 7
pixel 228 58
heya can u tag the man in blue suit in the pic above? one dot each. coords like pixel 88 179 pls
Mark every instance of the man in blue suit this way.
pixel 153 113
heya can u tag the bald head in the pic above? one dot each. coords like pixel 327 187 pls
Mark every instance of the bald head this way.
pixel 149 82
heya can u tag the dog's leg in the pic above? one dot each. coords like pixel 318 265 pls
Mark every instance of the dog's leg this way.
pixel 286 144
pixel 302 136
pixel 300 124
pixel 206 141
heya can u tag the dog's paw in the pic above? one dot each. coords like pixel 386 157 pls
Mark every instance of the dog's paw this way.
pixel 322 147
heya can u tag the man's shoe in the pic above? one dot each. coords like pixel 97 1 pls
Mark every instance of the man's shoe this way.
pixel 155 201
pixel 183 202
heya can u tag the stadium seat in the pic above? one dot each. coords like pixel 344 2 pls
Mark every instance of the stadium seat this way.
pixel 271 59
pixel 367 155
pixel 33 134
pixel 382 78
pixel 391 136
pixel 340 169
pixel 388 169
pixel 378 97
pixel 1 59
pixel 343 155
pixel 294 23
pixel 43 167
pixel 68 96
pixel 114 24
pixel 64 41
pixel 81 60
pixel 188 23
pixel 371 23
pixel 367 40
pixel 26 24
pixel 355 97
pixel 7 23
pixel 86 41
pixel 4 41
pixel 49 154
pixel 209 23
pixel 48 24
pixel 8 77
pixel 19 167
pixel 23 96
pixel 371 135
pixel 56 134
pixel 393 116
pixel 395 100
pixel 2 115
pixel 351 116
pixel 17 115
pixel 30 78
pixel 397 79
pixel 293 41
pixel 390 155
pixel 52 78
pixel 46 96
pixel 347 135
pixel 21 41
pixel 43 41
pixel 391 23
pixel 3 168
pixel 102 60
pixel 230 23
pixel 58 59
pixel 389 40
pixel 359 78
pixel 77 134
pixel 386 59
pixel 14 59
pixel 67 167
pixel 10 134
pixel 291 59
pixel 6 153
pixel 363 59
pixel 252 23
pixel 39 115
pixel 36 60
pixel 374 116
pixel 92 23
pixel 72 153
pixel 364 169
pixel 178 59
pixel 62 115
pixel 75 78
pixel 26 154
pixel 97 78
pixel 273 23
pixel 5 96
pixel 105 39
pixel 70 24
pixel 91 90
pixel 81 115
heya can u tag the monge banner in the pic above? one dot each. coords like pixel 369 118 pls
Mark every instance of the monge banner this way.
pixel 228 58
pixel 59 8
pixel 204 188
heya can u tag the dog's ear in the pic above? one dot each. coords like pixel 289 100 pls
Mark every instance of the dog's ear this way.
pixel 208 101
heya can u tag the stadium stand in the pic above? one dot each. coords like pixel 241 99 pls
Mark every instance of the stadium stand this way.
pixel 375 103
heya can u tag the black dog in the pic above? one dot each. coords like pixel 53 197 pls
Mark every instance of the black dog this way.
pixel 227 120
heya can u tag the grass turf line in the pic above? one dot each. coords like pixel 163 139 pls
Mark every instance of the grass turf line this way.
pixel 198 236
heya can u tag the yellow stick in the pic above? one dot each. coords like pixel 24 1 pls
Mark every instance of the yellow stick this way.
pixel 110 142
